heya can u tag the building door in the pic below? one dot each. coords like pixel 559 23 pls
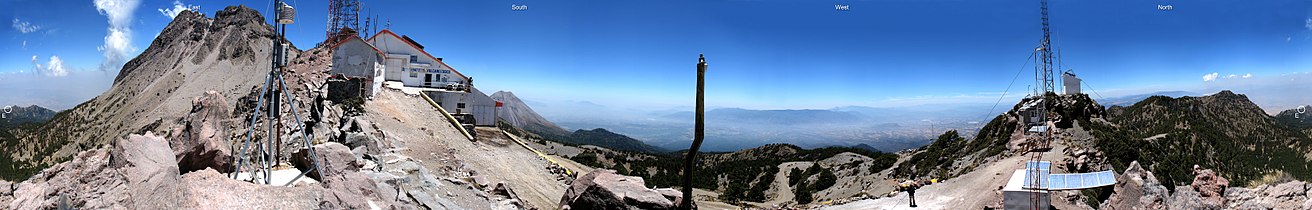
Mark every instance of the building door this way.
pixel 428 80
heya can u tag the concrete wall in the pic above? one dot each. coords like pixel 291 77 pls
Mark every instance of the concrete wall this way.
pixel 475 102
pixel 356 59
pixel 1021 200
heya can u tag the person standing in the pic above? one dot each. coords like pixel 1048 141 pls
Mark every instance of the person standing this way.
pixel 910 187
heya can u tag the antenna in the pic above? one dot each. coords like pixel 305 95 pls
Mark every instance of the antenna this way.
pixel 342 14
pixel 1039 141
pixel 269 153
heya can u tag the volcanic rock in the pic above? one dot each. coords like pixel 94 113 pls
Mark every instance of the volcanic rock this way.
pixel 199 142
pixel 603 189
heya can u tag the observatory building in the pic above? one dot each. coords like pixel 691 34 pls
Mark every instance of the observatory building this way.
pixel 390 58
pixel 1070 83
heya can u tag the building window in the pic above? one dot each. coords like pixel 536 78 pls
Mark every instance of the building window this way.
pixel 460 105
pixel 414 59
pixel 414 74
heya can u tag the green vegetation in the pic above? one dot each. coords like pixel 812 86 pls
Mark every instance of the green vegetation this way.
pixel 1224 132
pixel 804 189
pixel 937 159
pixel 15 170
pixel 748 172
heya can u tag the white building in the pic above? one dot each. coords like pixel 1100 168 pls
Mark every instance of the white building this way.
pixel 355 58
pixel 408 63
pixel 1034 184
pixel 1016 195
pixel 474 102
pixel 390 57
pixel 1070 83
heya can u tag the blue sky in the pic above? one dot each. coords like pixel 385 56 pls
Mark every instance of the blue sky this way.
pixel 766 54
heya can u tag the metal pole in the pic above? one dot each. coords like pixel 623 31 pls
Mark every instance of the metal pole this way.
pixel 698 134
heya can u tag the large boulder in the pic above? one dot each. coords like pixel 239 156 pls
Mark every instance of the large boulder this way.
pixel 1287 195
pixel 1137 188
pixel 199 143
pixel 139 172
pixel 603 189
pixel 336 159
pixel 1210 186
pixel 211 190
pixel 350 190
pixel 87 168
pixel 151 172
pixel 370 144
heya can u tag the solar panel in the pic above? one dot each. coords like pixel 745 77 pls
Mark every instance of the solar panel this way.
pixel 1043 168
pixel 1080 180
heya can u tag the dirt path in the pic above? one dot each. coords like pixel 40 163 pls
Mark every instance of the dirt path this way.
pixel 973 190
pixel 494 159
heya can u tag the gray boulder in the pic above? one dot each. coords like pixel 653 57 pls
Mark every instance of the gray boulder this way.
pixel 1210 187
pixel 370 144
pixel 350 190
pixel 139 172
pixel 603 189
pixel 336 159
pixel 1137 189
pixel 211 190
pixel 151 172
pixel 199 142
pixel 1287 195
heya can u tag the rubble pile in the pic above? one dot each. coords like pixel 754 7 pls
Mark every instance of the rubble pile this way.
pixel 1138 189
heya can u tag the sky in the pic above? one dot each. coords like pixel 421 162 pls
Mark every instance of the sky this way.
pixel 762 54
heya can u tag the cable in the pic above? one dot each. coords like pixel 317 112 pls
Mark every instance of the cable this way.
pixel 1004 92
pixel 1095 92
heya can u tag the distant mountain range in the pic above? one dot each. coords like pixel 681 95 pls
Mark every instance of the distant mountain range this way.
pixel 604 138
pixel 1224 130
pixel 799 116
pixel 1131 99
pixel 518 114
pixel 29 117
pixel 28 114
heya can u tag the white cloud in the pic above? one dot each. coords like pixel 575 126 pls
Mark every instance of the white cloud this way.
pixel 1308 23
pixel 54 67
pixel 178 7
pixel 1231 76
pixel 1210 77
pixel 118 40
pixel 1249 75
pixel 24 26
pixel 24 44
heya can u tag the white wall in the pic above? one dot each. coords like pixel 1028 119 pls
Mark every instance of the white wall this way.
pixel 476 102
pixel 355 58
pixel 400 67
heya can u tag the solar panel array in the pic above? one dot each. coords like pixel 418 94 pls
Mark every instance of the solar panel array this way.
pixel 1076 181
pixel 1081 180
pixel 1044 169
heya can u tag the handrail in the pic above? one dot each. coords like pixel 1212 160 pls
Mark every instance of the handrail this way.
pixel 535 151
pixel 448 116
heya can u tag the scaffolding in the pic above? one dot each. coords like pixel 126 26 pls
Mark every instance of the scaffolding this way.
pixel 1041 138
